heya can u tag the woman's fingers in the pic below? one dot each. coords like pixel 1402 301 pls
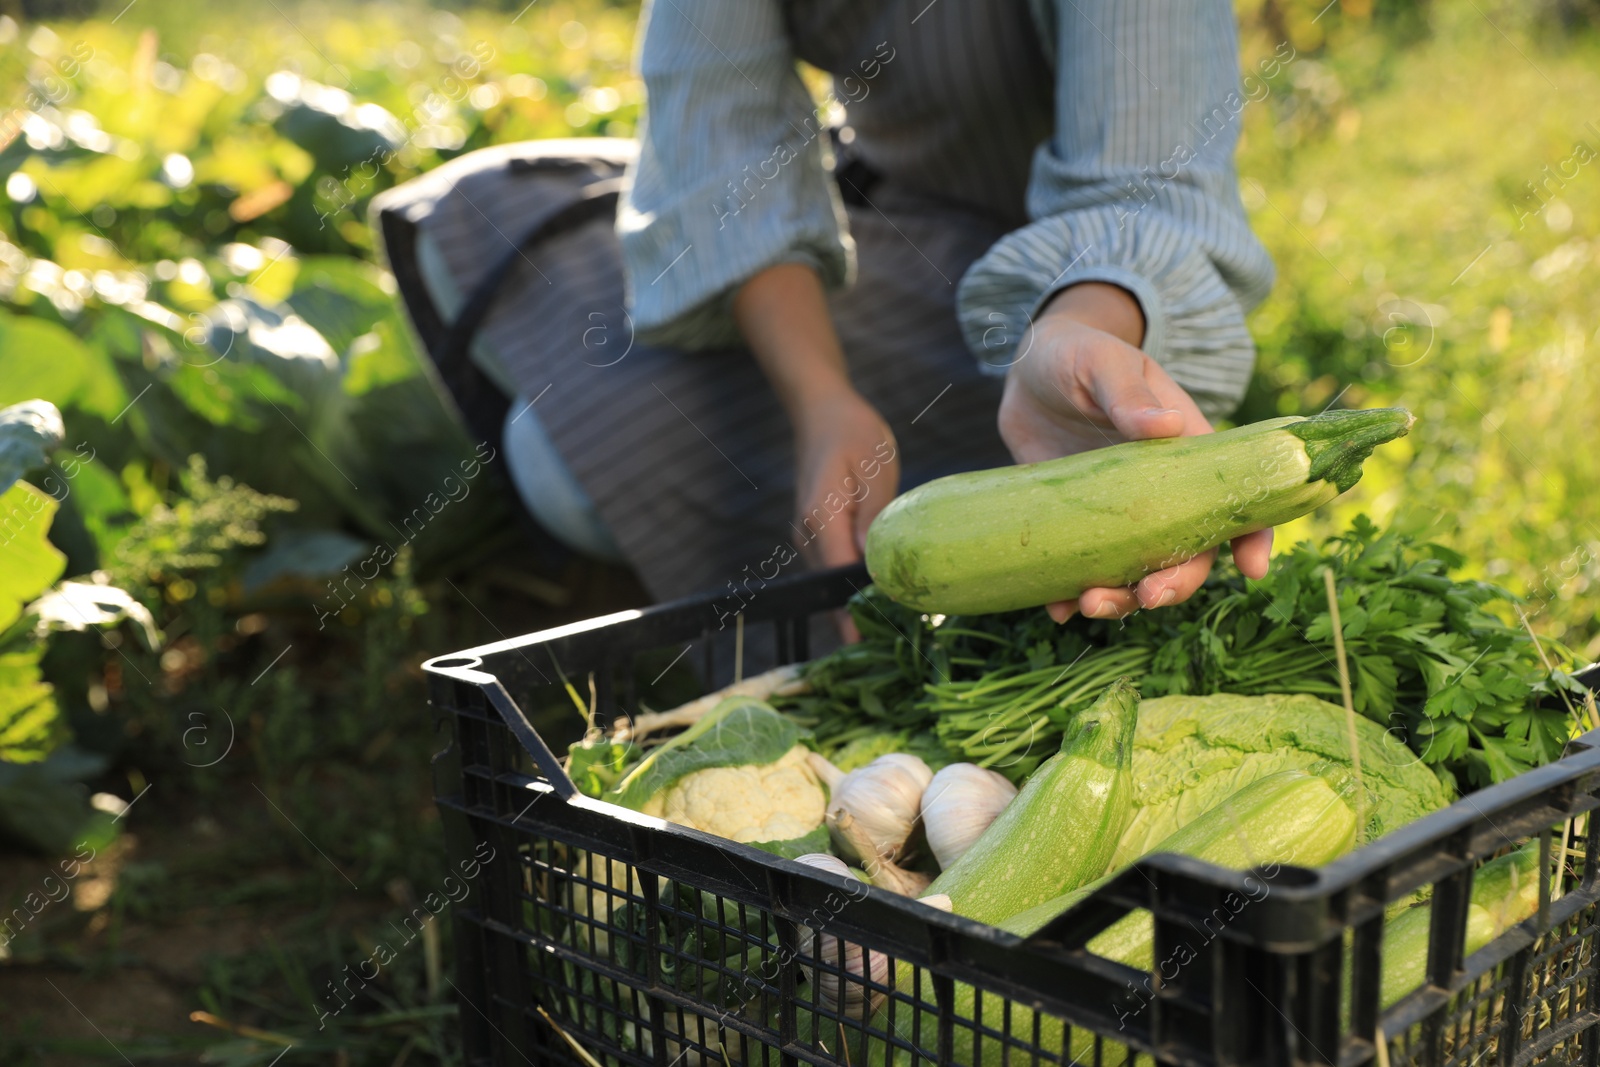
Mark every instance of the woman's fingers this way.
pixel 876 499
pixel 1108 603
pixel 1175 396
pixel 1171 586
pixel 1175 584
pixel 849 470
pixel 836 542
pixel 1114 374
pixel 1252 553
pixel 1061 610
pixel 846 626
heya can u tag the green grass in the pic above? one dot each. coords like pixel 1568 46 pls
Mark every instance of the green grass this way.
pixel 1404 277
pixel 1382 170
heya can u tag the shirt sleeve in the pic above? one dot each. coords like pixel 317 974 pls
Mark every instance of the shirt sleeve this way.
pixel 1136 187
pixel 731 176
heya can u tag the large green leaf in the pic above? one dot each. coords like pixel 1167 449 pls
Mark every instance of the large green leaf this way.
pixel 30 722
pixel 408 444
pixel 29 563
pixel 342 298
pixel 230 393
pixel 40 359
pixel 737 732
pixel 28 431
pixel 77 606
pixel 97 495
pixel 328 123
pixel 248 330
pixel 302 554
pixel 44 359
pixel 383 356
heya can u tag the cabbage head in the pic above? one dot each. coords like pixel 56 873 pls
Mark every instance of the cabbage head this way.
pixel 1192 752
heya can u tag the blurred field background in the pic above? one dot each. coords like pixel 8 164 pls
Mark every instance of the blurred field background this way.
pixel 186 272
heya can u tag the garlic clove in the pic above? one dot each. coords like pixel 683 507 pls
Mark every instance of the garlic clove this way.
pixel 958 805
pixel 913 766
pixel 847 991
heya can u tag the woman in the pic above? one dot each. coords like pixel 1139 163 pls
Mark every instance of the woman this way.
pixel 1031 244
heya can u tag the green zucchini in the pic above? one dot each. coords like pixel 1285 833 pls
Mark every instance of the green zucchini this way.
pixel 1505 891
pixel 1062 828
pixel 1288 817
pixel 1018 537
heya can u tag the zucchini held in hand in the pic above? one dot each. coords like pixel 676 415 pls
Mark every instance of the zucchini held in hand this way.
pixel 1018 537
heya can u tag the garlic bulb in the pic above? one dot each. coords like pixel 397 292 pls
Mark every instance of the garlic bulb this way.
pixel 957 807
pixel 834 990
pixel 941 901
pixel 874 810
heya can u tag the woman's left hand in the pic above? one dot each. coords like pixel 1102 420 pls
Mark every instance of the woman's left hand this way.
pixel 1082 383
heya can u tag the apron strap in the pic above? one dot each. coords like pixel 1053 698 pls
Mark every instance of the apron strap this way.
pixel 597 200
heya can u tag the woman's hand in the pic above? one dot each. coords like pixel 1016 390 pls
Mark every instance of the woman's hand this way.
pixel 847 463
pixel 847 469
pixel 1082 383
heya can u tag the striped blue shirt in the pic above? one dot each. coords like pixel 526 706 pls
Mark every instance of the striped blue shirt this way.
pixel 1126 177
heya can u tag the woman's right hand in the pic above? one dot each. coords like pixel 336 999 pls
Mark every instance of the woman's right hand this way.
pixel 847 469
pixel 847 465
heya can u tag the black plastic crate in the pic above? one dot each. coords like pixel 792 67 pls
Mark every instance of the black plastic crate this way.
pixel 592 934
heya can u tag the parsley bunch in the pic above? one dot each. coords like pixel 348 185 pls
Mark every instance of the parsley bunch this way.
pixel 1427 657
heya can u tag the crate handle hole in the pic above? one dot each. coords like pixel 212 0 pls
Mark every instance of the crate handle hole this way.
pixel 451 663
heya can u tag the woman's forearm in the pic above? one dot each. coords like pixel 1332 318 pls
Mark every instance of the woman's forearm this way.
pixel 846 467
pixel 783 315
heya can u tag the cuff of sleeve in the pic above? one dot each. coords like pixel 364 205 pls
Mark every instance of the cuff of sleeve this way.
pixel 1194 322
pixel 684 264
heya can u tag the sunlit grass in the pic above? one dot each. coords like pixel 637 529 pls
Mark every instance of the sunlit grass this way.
pixel 1410 210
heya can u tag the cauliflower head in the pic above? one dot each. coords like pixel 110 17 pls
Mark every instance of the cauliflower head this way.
pixel 767 802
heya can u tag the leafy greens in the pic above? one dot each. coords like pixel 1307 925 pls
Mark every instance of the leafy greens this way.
pixel 1429 660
